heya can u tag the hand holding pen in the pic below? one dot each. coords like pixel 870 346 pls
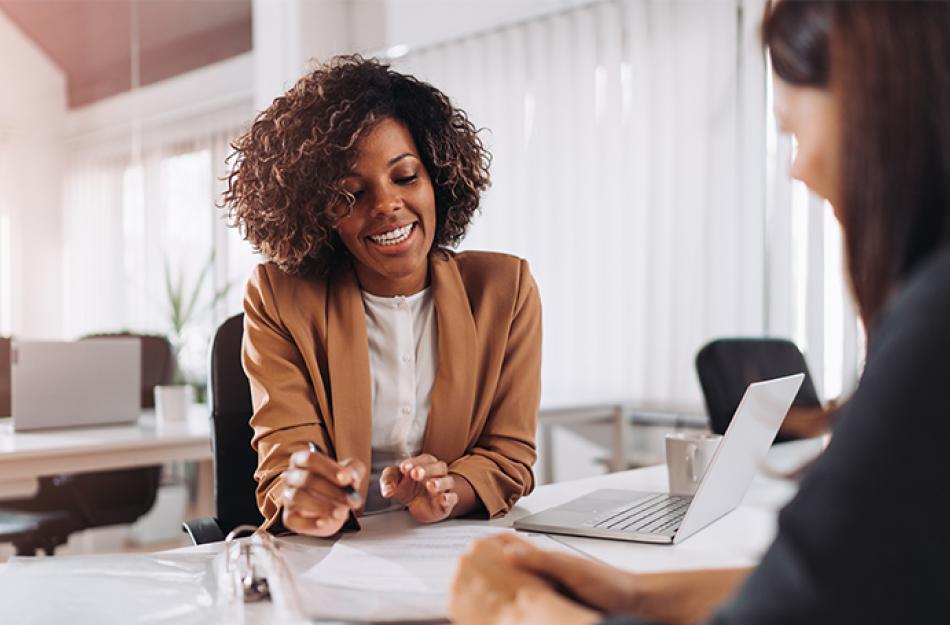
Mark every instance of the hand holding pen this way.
pixel 319 493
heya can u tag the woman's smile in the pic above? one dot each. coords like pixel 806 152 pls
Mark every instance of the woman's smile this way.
pixel 394 240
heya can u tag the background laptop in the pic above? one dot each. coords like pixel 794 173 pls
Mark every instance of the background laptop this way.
pixel 664 518
pixel 58 384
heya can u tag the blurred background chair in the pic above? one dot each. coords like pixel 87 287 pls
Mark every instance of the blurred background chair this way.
pixel 65 504
pixel 727 366
pixel 234 459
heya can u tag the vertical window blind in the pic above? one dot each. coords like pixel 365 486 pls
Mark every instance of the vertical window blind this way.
pixel 630 169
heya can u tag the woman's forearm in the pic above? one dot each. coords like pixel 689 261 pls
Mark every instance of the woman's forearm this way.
pixel 468 500
pixel 687 597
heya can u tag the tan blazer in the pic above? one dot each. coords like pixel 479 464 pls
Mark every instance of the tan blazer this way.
pixel 307 357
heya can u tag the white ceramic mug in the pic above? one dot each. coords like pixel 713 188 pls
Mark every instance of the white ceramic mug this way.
pixel 687 456
pixel 171 402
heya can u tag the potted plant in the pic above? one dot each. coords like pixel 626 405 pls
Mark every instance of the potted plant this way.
pixel 188 336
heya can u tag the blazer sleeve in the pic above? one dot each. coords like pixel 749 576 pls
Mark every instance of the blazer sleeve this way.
pixel 499 465
pixel 286 414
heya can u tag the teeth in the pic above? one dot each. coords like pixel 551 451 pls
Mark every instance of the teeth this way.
pixel 393 237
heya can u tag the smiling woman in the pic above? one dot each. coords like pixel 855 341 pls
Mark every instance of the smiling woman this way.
pixel 372 389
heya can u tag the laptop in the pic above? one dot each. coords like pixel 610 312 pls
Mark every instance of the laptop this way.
pixel 57 384
pixel 664 518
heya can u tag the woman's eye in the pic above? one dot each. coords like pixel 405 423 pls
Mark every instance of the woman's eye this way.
pixel 406 179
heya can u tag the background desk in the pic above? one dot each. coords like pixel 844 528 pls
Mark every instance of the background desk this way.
pixel 621 415
pixel 27 456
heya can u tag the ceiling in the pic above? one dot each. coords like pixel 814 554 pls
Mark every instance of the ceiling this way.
pixel 90 40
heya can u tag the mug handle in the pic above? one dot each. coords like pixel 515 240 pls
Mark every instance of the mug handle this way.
pixel 691 463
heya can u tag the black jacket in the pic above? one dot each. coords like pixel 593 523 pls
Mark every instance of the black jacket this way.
pixel 867 537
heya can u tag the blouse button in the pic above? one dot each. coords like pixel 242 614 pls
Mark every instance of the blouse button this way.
pixel 406 409
pixel 407 357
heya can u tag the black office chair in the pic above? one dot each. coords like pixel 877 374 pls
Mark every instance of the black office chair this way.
pixel 727 366
pixel 234 459
pixel 72 502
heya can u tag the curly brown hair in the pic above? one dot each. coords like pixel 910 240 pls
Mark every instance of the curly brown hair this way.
pixel 285 190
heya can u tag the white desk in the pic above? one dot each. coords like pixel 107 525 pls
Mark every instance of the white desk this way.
pixel 736 540
pixel 27 456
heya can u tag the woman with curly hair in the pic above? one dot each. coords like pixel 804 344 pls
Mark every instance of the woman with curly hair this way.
pixel 386 371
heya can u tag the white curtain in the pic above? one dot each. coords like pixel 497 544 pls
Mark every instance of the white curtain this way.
pixel 6 227
pixel 131 226
pixel 623 172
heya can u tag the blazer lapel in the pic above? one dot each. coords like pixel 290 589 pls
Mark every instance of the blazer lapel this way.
pixel 348 363
pixel 453 392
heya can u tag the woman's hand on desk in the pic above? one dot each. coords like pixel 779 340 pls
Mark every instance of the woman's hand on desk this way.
pixel 578 585
pixel 597 585
pixel 423 484
pixel 489 589
pixel 315 502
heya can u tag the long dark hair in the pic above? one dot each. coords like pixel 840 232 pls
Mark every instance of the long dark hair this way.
pixel 888 62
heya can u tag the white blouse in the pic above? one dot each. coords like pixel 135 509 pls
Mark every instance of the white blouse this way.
pixel 403 359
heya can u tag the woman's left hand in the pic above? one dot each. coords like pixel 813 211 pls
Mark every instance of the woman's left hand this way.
pixel 424 486
pixel 488 589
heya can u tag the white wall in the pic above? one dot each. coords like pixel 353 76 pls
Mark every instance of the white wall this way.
pixel 32 114
pixel 192 104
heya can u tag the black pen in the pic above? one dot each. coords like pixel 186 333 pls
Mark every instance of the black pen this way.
pixel 351 492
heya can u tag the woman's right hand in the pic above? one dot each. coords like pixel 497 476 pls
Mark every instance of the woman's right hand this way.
pixel 314 500
pixel 678 598
pixel 594 584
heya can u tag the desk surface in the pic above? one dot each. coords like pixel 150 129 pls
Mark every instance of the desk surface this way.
pixel 26 456
pixel 737 539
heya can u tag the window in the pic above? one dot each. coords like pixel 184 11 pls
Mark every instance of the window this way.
pixel 153 229
pixel 6 277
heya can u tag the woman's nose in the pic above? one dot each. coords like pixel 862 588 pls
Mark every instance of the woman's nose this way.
pixel 385 201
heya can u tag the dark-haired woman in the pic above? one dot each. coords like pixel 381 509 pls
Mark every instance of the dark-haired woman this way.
pixel 413 371
pixel 865 88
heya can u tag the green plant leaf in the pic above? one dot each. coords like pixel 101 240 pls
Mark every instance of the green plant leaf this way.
pixel 196 292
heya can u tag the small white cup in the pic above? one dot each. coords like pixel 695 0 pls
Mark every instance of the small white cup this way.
pixel 687 456
pixel 171 402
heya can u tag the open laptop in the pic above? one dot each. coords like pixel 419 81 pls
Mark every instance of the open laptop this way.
pixel 57 384
pixel 665 518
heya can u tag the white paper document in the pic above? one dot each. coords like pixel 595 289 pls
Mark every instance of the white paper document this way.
pixel 394 569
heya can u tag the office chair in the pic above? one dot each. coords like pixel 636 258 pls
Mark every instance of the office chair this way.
pixel 234 459
pixel 28 530
pixel 69 503
pixel 727 366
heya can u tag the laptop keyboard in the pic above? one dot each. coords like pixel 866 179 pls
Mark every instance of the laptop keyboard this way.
pixel 656 514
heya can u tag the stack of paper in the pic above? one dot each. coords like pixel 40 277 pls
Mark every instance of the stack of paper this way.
pixel 392 570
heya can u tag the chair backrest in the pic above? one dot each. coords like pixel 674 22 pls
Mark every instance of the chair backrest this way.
pixel 727 366
pixel 117 496
pixel 5 407
pixel 231 409
pixel 158 362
